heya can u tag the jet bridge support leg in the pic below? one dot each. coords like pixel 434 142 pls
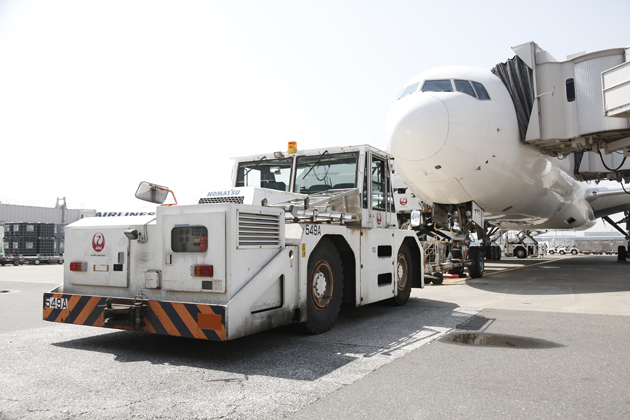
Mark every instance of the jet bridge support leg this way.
pixel 622 253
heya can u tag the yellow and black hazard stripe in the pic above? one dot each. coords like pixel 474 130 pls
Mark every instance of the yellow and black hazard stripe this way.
pixel 193 320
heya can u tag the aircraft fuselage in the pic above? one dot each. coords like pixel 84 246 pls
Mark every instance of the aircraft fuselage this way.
pixel 463 145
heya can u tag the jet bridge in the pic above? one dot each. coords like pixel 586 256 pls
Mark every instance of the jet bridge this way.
pixel 579 107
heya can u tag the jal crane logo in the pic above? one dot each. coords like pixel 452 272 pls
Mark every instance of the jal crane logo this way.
pixel 379 218
pixel 98 242
pixel 403 201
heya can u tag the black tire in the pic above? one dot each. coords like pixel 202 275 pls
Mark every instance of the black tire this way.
pixel 2 263
pixel 551 252
pixel 562 252
pixel 325 288
pixel 476 268
pixel 520 253
pixel 16 263
pixel 404 275
pixel 59 261
pixel 574 252
pixel 489 253
pixel 439 278
pixel 36 262
pixel 622 253
pixel 498 253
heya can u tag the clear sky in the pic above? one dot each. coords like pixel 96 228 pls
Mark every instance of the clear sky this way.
pixel 96 96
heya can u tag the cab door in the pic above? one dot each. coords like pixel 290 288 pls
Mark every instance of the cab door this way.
pixel 377 190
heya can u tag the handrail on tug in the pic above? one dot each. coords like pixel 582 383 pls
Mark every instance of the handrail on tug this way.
pixel 332 206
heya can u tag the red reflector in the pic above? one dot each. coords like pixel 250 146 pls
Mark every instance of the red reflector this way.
pixel 204 271
pixel 78 266
pixel 203 243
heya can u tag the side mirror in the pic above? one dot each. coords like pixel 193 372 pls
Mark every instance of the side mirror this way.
pixel 415 218
pixel 152 192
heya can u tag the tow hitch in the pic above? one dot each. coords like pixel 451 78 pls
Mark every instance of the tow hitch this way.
pixel 124 315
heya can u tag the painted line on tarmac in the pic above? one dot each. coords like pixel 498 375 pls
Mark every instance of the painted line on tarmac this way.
pixel 524 266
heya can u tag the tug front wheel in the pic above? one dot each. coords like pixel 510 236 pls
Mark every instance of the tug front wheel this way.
pixel 325 288
pixel 404 274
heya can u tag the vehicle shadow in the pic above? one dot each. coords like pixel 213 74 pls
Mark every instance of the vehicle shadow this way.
pixel 368 332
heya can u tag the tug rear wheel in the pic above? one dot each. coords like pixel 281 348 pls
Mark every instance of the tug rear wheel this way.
pixel 325 288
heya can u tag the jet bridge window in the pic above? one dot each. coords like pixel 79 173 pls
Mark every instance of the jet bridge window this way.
pixel 327 171
pixel 265 173
pixel 482 93
pixel 570 85
pixel 437 86
pixel 409 90
pixel 465 87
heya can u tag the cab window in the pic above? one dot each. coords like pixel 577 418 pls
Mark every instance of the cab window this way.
pixel 316 173
pixel 274 174
pixel 381 196
pixel 437 86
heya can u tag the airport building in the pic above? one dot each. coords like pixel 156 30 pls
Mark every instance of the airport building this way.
pixel 30 230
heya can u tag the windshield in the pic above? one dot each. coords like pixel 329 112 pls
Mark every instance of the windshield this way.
pixel 265 173
pixel 326 171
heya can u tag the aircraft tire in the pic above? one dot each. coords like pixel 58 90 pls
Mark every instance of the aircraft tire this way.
pixel 622 253
pixel 404 274
pixel 489 253
pixel 477 258
pixel 325 288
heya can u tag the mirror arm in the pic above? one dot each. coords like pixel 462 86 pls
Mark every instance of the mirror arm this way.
pixel 168 191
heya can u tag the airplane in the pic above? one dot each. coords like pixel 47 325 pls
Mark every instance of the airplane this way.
pixel 454 135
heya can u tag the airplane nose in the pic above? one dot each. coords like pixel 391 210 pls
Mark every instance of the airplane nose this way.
pixel 417 126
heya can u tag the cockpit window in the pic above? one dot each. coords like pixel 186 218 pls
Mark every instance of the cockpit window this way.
pixel 409 90
pixel 482 93
pixel 464 86
pixel 437 86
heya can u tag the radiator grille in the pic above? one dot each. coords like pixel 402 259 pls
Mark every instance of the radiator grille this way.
pixel 219 200
pixel 258 229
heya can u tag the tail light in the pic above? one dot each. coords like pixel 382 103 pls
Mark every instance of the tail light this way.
pixel 203 243
pixel 78 266
pixel 204 271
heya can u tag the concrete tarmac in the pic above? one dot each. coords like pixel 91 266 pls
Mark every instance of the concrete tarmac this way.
pixel 378 362
pixel 579 304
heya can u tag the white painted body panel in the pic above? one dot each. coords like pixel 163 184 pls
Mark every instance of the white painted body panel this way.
pixel 450 148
